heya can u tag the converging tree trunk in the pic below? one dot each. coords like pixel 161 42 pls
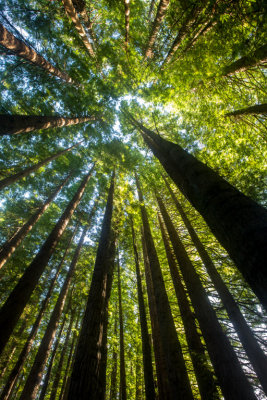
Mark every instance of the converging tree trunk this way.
pixel 122 393
pixel 12 244
pixel 232 380
pixel 220 204
pixel 146 348
pixel 18 298
pixel 19 48
pixel 27 171
pixel 127 21
pixel 85 380
pixel 113 375
pixel 252 110
pixel 258 57
pixel 177 374
pixel 254 352
pixel 71 12
pixel 204 375
pixel 15 124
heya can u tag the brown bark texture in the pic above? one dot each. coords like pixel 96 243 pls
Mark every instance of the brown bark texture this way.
pixel 256 58
pixel 113 377
pixel 18 298
pixel 122 393
pixel 127 21
pixel 257 109
pixel 161 11
pixel 19 48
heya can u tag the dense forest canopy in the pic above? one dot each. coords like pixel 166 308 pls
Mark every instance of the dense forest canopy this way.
pixel 132 177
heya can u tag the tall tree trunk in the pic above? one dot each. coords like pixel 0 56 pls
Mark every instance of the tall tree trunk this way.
pixel 122 395
pixel 254 110
pixel 151 7
pixel 13 376
pixel 19 48
pixel 161 368
pixel 18 298
pixel 72 13
pixel 259 56
pixel 51 361
pixel 34 379
pixel 56 380
pixel 146 348
pixel 232 380
pixel 27 171
pixel 204 375
pixel 255 354
pixel 15 124
pixel 177 374
pixel 113 378
pixel 220 204
pixel 12 244
pixel 161 11
pixel 127 22
pixel 85 380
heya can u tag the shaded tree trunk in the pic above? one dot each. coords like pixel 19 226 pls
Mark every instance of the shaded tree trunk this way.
pixel 220 204
pixel 204 375
pixel 113 378
pixel 177 374
pixel 71 12
pixel 12 244
pixel 27 171
pixel 161 11
pixel 34 379
pixel 232 380
pixel 15 124
pixel 255 354
pixel 146 348
pixel 151 7
pixel 18 298
pixel 254 110
pixel 127 22
pixel 122 395
pixel 19 48
pixel 259 56
pixel 85 376
pixel 13 376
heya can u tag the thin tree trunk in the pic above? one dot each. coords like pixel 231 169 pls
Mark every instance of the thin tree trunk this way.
pixel 88 24
pixel 19 48
pixel 255 354
pixel 161 369
pixel 15 124
pixel 17 300
pixel 146 348
pixel 51 361
pixel 12 244
pixel 254 110
pixel 72 13
pixel 161 11
pixel 113 378
pixel 122 394
pixel 177 374
pixel 34 379
pixel 85 380
pixel 127 22
pixel 232 380
pixel 151 7
pixel 204 375
pixel 13 376
pixel 56 380
pixel 220 204
pixel 259 56
pixel 27 171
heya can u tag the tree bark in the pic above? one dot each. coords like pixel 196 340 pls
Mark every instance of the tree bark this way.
pixel 122 393
pixel 161 11
pixel 146 348
pixel 19 48
pixel 177 374
pixel 204 375
pixel 127 22
pixel 255 354
pixel 259 56
pixel 71 12
pixel 16 124
pixel 232 380
pixel 220 204
pixel 17 300
pixel 113 378
pixel 34 379
pixel 27 171
pixel 8 248
pixel 254 110
pixel 85 380
pixel 13 376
